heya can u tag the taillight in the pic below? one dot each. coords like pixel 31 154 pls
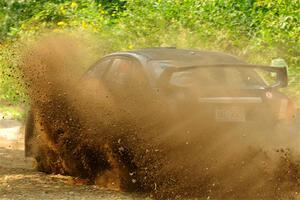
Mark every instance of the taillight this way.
pixel 291 110
pixel 287 110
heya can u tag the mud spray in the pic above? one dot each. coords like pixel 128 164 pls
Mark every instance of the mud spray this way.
pixel 129 140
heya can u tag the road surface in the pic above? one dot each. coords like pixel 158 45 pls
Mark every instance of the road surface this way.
pixel 19 179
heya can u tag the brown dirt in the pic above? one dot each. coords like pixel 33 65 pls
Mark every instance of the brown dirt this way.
pixel 20 180
pixel 87 131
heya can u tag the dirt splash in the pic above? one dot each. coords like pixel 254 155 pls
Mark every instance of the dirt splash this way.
pixel 130 140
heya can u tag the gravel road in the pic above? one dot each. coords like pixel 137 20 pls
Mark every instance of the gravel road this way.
pixel 19 179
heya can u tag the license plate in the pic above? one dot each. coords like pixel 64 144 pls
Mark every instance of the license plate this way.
pixel 230 114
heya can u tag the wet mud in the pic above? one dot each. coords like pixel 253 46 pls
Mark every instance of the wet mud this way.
pixel 130 140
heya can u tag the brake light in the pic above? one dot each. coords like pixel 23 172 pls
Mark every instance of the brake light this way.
pixel 287 110
pixel 291 110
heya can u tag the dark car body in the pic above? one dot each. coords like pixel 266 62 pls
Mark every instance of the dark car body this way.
pixel 217 87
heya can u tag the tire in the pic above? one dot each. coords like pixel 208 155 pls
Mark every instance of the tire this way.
pixel 29 132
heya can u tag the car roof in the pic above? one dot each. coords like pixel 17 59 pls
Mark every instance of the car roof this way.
pixel 187 57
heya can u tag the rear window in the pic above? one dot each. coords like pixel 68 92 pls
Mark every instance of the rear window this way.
pixel 216 76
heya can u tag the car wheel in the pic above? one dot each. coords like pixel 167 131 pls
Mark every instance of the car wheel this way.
pixel 29 129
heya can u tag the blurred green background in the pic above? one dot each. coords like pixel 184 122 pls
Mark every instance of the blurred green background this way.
pixel 255 30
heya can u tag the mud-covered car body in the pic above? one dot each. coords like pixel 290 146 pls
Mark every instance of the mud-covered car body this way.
pixel 216 87
pixel 210 88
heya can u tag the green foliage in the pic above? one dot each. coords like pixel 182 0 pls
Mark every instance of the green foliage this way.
pixel 11 89
pixel 257 30
pixel 12 112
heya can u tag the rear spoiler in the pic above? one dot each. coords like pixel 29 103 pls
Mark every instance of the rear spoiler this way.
pixel 281 72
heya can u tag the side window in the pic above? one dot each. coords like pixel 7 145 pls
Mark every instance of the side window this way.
pixel 126 73
pixel 99 68
pixel 120 71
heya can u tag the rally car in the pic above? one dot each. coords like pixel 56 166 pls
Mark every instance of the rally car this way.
pixel 217 88
pixel 222 87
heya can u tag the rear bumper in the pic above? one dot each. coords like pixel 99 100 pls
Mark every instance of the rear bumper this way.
pixel 287 127
pixel 261 127
pixel 209 125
